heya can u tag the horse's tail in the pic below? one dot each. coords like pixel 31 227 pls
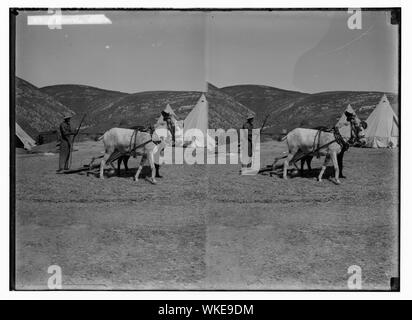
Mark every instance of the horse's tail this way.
pixel 284 137
pixel 101 137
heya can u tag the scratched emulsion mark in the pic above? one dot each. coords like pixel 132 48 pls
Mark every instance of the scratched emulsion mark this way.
pixel 357 46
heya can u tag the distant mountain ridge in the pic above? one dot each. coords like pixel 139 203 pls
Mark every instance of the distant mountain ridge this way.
pixel 82 99
pixel 42 109
pixel 291 109
pixel 106 109
pixel 264 99
pixel 324 109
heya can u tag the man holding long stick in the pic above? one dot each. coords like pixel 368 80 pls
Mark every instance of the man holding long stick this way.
pixel 65 143
pixel 251 147
pixel 248 125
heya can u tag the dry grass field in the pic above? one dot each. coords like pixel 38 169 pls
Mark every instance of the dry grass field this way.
pixel 207 227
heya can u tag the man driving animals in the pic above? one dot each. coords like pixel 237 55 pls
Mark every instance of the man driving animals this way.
pixel 170 125
pixel 248 125
pixel 65 143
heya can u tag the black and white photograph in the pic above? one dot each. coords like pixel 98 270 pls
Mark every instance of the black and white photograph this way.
pixel 205 149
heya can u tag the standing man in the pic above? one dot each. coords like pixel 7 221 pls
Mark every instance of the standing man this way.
pixel 351 118
pixel 65 143
pixel 170 125
pixel 151 130
pixel 248 125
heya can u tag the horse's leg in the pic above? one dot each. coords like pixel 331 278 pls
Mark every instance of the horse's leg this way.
pixel 113 167
pixel 296 166
pixel 340 163
pixel 286 165
pixel 157 167
pixel 119 162
pixel 103 164
pixel 302 164
pixel 152 167
pixel 322 171
pixel 139 169
pixel 308 162
pixel 125 160
pixel 336 166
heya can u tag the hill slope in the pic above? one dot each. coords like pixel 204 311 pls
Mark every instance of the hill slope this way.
pixel 141 108
pixel 224 110
pixel 83 99
pixel 35 110
pixel 324 109
pixel 290 109
pixel 106 109
pixel 228 106
pixel 263 99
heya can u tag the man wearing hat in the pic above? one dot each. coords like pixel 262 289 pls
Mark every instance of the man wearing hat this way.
pixel 351 118
pixel 65 143
pixel 248 125
pixel 170 125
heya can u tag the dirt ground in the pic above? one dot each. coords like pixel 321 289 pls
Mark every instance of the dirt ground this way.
pixel 207 227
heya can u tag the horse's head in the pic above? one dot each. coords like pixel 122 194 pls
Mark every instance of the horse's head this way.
pixel 358 133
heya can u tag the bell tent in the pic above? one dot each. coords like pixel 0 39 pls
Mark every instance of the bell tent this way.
pixel 383 126
pixel 198 119
pixel 23 139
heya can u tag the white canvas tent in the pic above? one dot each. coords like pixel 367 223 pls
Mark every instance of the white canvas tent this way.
pixel 383 126
pixel 27 141
pixel 198 119
pixel 343 124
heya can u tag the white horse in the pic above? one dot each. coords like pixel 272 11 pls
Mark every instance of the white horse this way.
pixel 301 140
pixel 127 141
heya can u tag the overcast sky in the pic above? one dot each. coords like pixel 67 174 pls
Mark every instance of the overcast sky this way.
pixel 141 51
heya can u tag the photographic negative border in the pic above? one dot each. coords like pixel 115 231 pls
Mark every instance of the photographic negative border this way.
pixel 13 12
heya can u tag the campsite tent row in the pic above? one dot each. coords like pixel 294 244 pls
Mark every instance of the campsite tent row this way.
pixel 383 126
pixel 382 130
pixel 196 119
